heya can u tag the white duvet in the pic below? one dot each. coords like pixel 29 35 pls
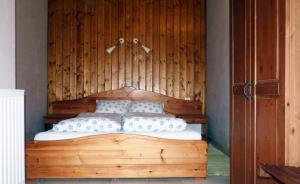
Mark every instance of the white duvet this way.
pixel 153 122
pixel 192 132
pixel 100 127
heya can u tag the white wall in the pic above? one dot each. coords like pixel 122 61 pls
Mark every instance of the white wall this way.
pixel 218 78
pixel 7 44
pixel 31 35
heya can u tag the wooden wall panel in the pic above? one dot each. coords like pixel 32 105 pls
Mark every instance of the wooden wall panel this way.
pixel 79 33
pixel 292 112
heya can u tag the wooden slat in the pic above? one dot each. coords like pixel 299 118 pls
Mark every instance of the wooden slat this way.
pixel 141 53
pixel 101 45
pixel 87 50
pixel 128 39
pixel 51 53
pixel 183 49
pixel 93 48
pixel 170 48
pixel 108 43
pixel 162 46
pixel 59 52
pixel 73 50
pixel 135 49
pixel 197 50
pixel 176 63
pixel 202 67
pixel 66 49
pixel 117 171
pixel 190 50
pixel 156 74
pixel 114 39
pixel 149 43
pixel 92 159
pixel 80 49
pixel 122 56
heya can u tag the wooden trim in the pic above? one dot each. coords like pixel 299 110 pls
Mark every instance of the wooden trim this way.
pixel 116 156
pixel 283 174
pixel 191 119
pixel 88 104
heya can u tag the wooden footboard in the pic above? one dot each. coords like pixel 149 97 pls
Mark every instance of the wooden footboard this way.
pixel 116 156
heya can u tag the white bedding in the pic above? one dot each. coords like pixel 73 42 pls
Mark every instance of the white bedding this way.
pixel 192 132
pixel 153 122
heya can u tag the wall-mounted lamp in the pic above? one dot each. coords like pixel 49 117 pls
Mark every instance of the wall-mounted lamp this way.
pixel 112 48
pixel 137 42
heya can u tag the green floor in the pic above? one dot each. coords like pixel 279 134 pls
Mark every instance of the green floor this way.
pixel 218 162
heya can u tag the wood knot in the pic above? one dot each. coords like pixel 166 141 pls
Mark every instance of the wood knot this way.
pixel 161 155
pixel 293 131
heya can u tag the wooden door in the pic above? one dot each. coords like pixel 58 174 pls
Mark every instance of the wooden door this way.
pixel 242 153
pixel 269 57
pixel 257 130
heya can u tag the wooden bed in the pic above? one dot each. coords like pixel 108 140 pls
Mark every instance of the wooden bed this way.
pixel 118 155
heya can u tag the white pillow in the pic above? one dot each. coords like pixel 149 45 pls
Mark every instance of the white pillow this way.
pixel 149 107
pixel 112 106
pixel 87 124
pixel 153 124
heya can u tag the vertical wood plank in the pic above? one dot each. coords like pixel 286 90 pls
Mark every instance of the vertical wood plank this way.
pixel 149 43
pixel 202 53
pixel 114 39
pixel 128 40
pixel 190 49
pixel 66 49
pixel 93 48
pixel 87 50
pixel 156 46
pixel 197 37
pixel 101 45
pixel 51 53
pixel 122 56
pixel 183 47
pixel 59 52
pixel 292 111
pixel 141 55
pixel 73 49
pixel 162 46
pixel 79 35
pixel 176 64
pixel 108 43
pixel 135 49
pixel 80 49
pixel 170 48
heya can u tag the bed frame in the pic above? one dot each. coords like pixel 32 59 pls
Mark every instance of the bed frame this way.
pixel 118 155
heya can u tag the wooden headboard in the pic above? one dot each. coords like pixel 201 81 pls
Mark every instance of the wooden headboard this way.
pixel 88 104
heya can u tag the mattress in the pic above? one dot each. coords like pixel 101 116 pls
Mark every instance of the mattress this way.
pixel 192 132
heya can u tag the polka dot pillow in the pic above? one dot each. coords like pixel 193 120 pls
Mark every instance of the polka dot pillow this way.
pixel 87 124
pixel 149 107
pixel 112 106
pixel 153 124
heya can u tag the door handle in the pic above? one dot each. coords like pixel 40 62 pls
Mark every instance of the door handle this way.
pixel 247 89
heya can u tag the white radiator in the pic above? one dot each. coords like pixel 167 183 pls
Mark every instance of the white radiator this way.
pixel 12 165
